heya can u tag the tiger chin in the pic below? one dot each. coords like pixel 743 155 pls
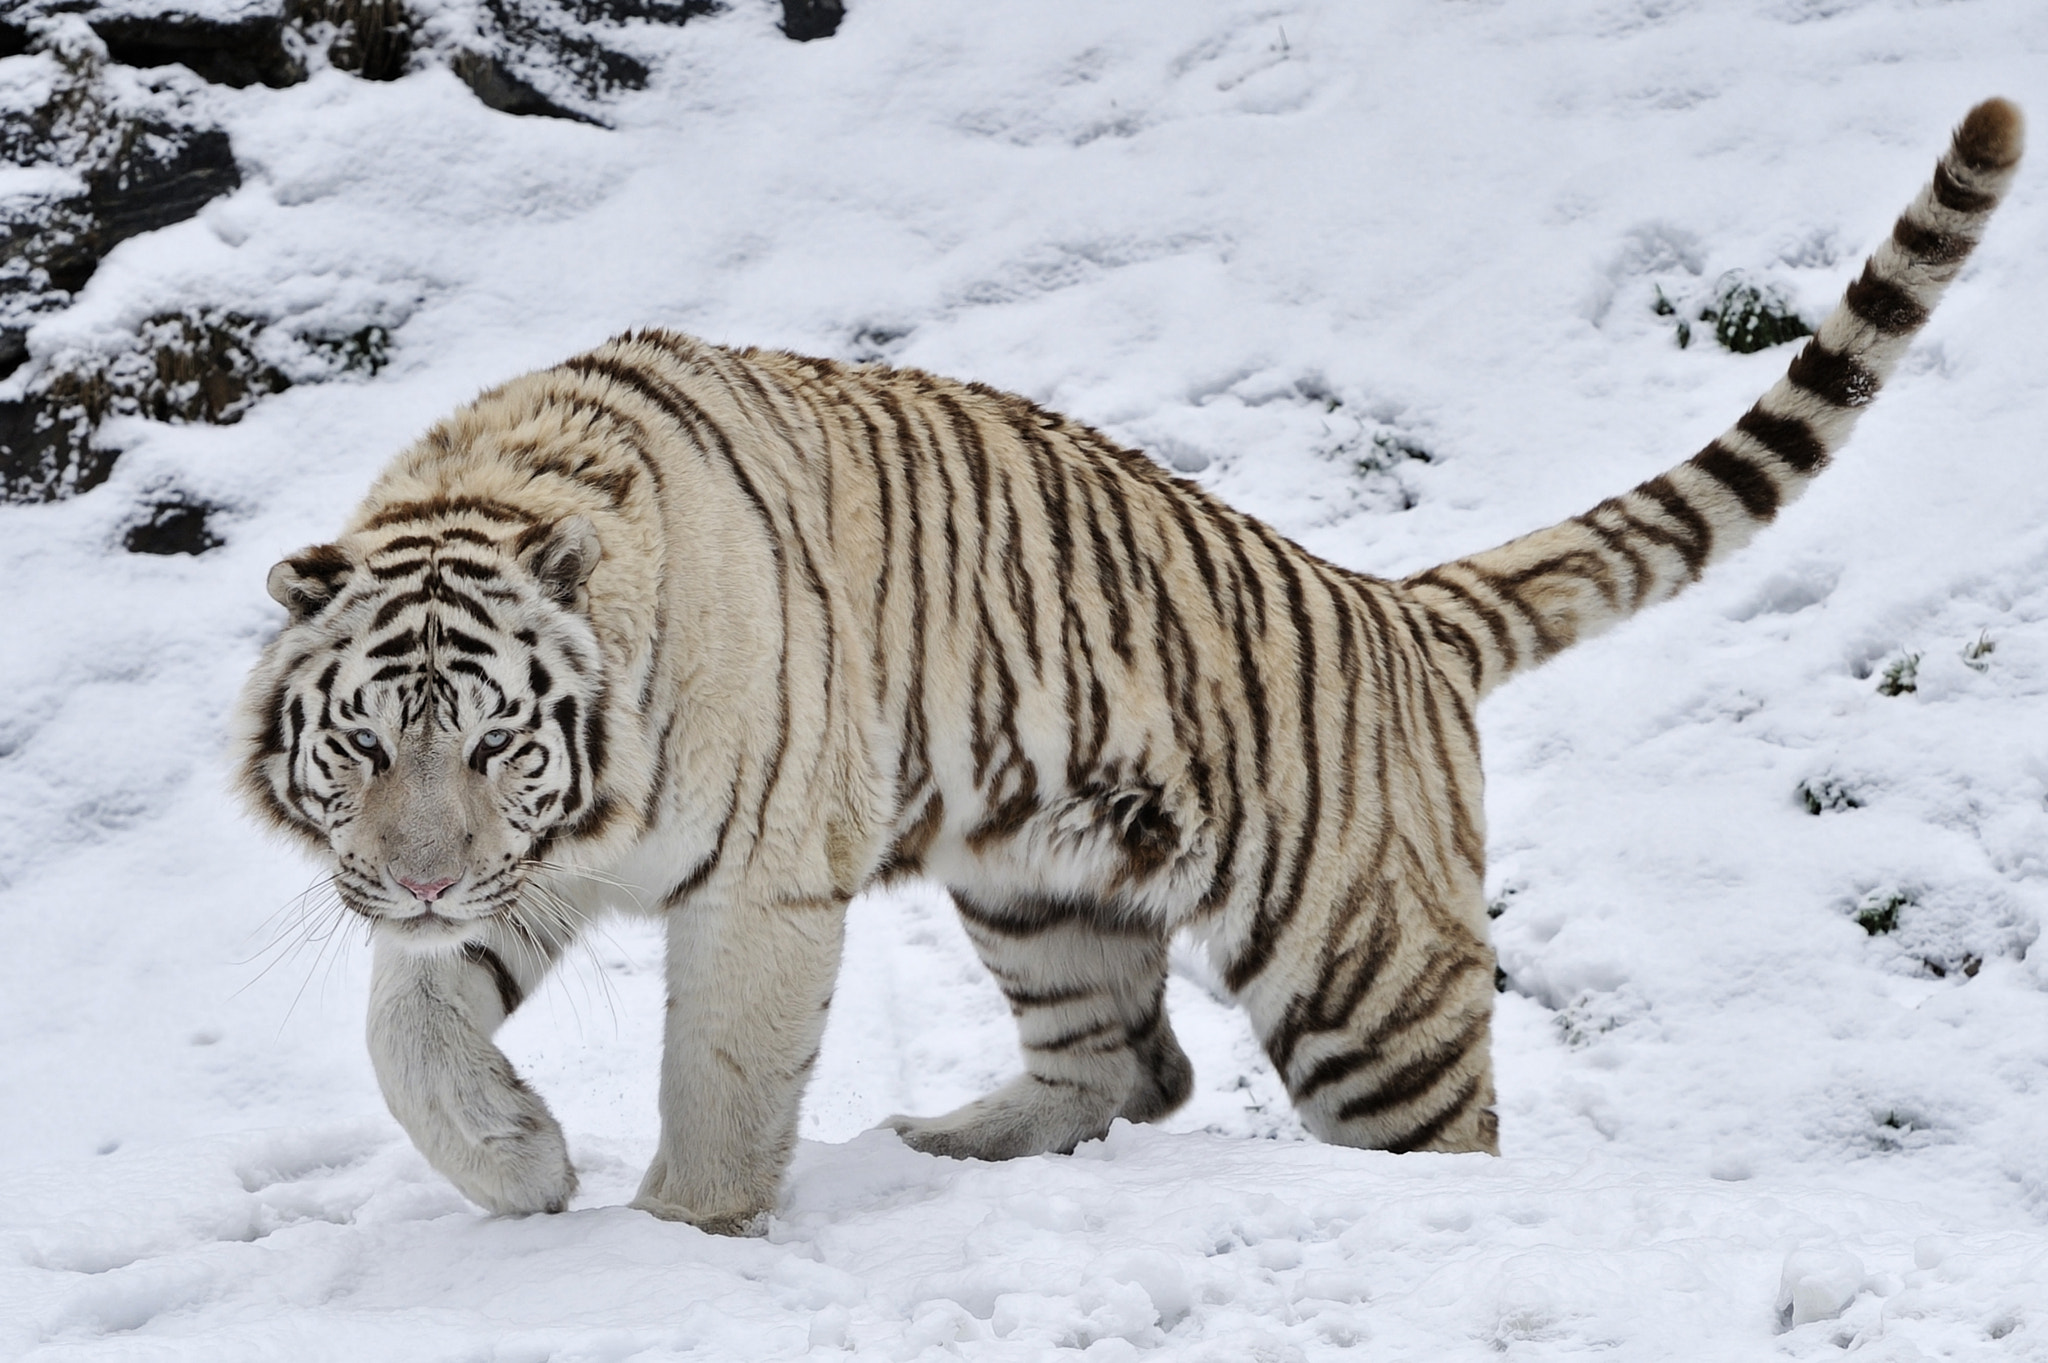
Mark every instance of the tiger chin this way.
pixel 728 637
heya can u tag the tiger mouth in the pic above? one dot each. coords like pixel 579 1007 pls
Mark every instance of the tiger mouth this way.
pixel 426 921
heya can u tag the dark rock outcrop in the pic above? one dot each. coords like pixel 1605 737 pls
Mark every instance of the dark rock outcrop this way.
pixel 369 38
pixel 176 524
pixel 202 366
pixel 248 49
pixel 556 58
pixel 118 171
pixel 122 166
pixel 561 58
pixel 804 20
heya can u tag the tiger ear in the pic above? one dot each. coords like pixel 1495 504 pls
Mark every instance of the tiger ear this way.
pixel 561 557
pixel 304 583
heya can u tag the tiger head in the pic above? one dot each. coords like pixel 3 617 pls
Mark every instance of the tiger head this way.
pixel 431 716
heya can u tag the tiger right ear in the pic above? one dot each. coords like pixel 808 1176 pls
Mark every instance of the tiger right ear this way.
pixel 304 583
pixel 561 557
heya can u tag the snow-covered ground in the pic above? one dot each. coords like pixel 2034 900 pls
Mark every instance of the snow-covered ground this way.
pixel 1267 240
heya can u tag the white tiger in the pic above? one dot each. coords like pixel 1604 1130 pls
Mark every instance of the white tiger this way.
pixel 748 633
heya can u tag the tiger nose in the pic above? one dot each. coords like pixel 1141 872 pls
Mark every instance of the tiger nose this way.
pixel 426 890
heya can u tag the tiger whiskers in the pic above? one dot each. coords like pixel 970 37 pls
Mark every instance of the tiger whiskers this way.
pixel 315 917
pixel 545 925
pixel 585 873
pixel 309 917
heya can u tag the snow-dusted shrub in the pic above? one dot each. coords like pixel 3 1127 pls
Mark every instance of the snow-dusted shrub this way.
pixel 1749 316
pixel 1825 794
pixel 1746 315
pixel 1901 676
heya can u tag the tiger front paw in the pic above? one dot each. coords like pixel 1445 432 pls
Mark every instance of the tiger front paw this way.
pixel 519 1168
pixel 487 1133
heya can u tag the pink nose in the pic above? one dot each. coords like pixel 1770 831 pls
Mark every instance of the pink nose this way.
pixel 427 890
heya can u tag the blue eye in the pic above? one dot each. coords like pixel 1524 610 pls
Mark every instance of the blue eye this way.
pixel 495 740
pixel 364 739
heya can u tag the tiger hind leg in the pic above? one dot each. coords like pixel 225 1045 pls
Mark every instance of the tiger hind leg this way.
pixel 1089 996
pixel 1383 1035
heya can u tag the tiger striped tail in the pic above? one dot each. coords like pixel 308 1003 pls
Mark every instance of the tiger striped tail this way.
pixel 1512 607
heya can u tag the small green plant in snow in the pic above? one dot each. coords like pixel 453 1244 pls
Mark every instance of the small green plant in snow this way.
pixel 1824 794
pixel 1900 677
pixel 1879 912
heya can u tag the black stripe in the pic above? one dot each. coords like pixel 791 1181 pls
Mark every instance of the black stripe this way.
pixel 1418 1075
pixel 397 646
pixel 1883 304
pixel 1833 376
pixel 1021 998
pixel 1695 546
pixel 1108 579
pixel 509 993
pixel 1787 437
pixel 483 507
pixel 1067 1041
pixel 1325 1007
pixel 1496 623
pixel 594 741
pixel 1953 194
pixel 1434 1127
pixel 1640 576
pixel 1753 487
pixel 565 719
pixel 1929 244
pixel 467 643
pixel 1035 917
pixel 1273 917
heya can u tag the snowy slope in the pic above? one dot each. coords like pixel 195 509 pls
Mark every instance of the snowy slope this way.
pixel 1249 238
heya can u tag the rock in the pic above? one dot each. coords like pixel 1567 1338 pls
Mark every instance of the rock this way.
pixel 46 452
pixel 555 58
pixel 246 49
pixel 112 169
pixel 560 58
pixel 159 174
pixel 177 524
pixel 371 38
pixel 140 169
pixel 206 366
pixel 804 20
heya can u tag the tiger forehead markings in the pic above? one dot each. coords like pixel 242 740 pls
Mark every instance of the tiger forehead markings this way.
pixel 729 636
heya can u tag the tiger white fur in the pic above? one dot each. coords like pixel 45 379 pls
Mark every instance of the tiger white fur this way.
pixel 747 633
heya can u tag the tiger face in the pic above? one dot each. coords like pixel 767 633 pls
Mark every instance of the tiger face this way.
pixel 431 716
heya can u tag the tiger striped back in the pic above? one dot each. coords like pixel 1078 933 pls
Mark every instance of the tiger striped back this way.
pixel 731 636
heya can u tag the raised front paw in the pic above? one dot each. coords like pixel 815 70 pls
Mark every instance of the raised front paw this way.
pixel 1024 1117
pixel 519 1172
pixel 492 1137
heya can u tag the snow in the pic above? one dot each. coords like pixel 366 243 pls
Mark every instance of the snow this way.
pixel 1736 1125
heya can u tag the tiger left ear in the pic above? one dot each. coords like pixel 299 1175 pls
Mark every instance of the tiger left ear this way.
pixel 304 583
pixel 561 557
